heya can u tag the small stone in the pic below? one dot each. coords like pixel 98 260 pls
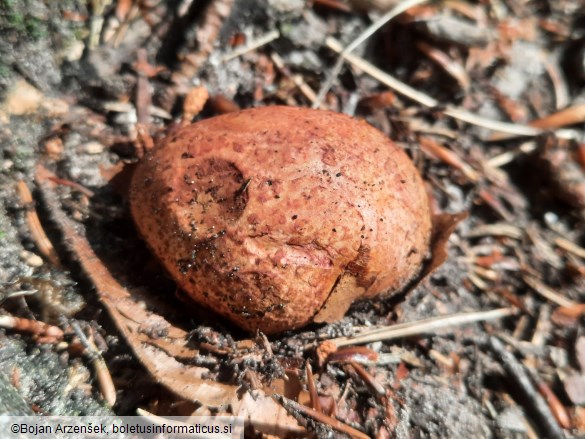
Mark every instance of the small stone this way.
pixel 575 388
pixel 54 147
pixel 512 419
pixel 31 259
pixel 22 99
pixel 93 148
pixel 75 51
pixel 580 352
pixel 293 7
pixel 7 165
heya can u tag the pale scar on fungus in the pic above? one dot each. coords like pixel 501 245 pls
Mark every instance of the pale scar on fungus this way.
pixel 277 217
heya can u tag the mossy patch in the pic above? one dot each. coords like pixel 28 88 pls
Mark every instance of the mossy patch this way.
pixel 17 17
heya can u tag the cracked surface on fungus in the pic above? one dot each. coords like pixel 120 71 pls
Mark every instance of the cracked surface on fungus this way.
pixel 278 216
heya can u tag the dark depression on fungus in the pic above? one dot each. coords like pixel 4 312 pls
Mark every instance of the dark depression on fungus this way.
pixel 330 218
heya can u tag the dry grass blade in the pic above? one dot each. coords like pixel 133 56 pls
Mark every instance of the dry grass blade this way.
pixel 34 224
pixel 498 229
pixel 449 157
pixel 312 388
pixel 305 89
pixel 569 116
pixel 373 384
pixel 374 27
pixel 98 8
pixel 422 327
pixel 143 98
pixel 99 365
pixel 571 247
pixel 76 186
pixel 452 67
pixel 547 292
pixel 558 81
pixel 257 43
pixel 449 110
pixel 509 156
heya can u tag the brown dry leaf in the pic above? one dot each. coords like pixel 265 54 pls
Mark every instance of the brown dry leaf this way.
pixel 223 105
pixel 444 225
pixel 384 99
pixel 267 416
pixel 337 5
pixel 151 337
pixel 289 386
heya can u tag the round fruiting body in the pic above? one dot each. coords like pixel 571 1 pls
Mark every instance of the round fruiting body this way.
pixel 277 217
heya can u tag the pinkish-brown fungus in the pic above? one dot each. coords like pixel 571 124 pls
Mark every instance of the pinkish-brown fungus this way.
pixel 277 217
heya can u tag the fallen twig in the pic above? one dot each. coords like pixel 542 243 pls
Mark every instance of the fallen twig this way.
pixel 296 409
pixel 556 406
pixel 532 398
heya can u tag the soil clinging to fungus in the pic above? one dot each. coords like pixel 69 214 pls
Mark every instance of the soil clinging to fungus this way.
pixel 277 217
